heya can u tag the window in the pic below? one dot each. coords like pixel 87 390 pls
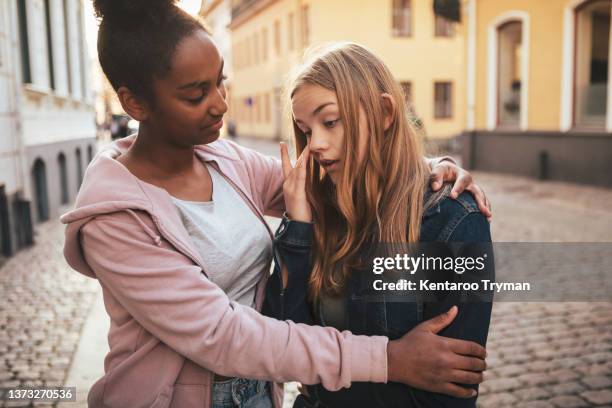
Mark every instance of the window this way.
pixel 402 18
pixel 268 107
pixel 444 27
pixel 67 41
pixel 243 54
pixel 290 31
pixel 305 25
pixel 81 50
pixel 264 43
pixel 592 64
pixel 443 106
pixel 79 169
pixel 236 55
pixel 509 81
pixel 256 108
pixel 26 72
pixel 277 38
pixel 61 162
pixel 39 182
pixel 407 90
pixel 248 44
pixel 256 47
pixel 49 45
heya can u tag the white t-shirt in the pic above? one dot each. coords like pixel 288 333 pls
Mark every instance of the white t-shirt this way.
pixel 231 239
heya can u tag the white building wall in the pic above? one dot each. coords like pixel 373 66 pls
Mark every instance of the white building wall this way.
pixel 10 155
pixel 54 121
pixel 54 116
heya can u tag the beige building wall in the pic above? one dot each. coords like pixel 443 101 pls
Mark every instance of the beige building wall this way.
pixel 421 59
pixel 550 57
pixel 260 71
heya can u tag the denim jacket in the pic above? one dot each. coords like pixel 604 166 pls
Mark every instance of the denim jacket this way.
pixel 450 225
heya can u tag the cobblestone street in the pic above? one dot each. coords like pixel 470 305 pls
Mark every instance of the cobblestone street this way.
pixel 43 305
pixel 556 354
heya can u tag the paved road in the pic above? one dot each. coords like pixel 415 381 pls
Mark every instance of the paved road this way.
pixel 43 305
pixel 52 329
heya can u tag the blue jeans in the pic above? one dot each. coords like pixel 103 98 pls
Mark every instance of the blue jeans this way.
pixel 241 393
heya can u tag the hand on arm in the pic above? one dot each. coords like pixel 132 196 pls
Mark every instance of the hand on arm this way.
pixel 425 360
pixel 444 170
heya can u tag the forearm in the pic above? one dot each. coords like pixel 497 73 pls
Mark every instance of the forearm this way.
pixel 172 300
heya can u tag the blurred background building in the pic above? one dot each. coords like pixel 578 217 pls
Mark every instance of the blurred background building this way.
pixel 46 113
pixel 538 95
pixel 521 86
pixel 268 38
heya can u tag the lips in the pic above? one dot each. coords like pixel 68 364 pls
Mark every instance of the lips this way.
pixel 329 165
pixel 215 125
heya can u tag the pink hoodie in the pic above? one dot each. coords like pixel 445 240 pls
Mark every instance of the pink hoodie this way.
pixel 171 327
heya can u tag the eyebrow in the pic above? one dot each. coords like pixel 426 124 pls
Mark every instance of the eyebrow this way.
pixel 318 109
pixel 201 84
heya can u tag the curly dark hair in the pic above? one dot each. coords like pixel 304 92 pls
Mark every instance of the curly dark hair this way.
pixel 137 40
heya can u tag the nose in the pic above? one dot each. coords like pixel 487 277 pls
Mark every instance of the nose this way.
pixel 318 141
pixel 218 105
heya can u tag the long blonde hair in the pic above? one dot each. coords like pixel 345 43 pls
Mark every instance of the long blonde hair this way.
pixel 379 198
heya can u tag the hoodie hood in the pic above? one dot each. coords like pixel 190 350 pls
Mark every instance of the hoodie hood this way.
pixel 109 187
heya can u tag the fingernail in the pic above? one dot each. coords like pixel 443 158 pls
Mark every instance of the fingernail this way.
pixel 474 393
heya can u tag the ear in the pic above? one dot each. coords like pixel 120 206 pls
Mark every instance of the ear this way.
pixel 134 106
pixel 389 108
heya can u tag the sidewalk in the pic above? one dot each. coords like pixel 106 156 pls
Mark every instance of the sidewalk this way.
pixel 43 306
pixel 88 360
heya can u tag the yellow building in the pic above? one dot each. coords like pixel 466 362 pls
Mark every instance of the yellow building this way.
pixel 269 36
pixel 538 96
pixel 525 81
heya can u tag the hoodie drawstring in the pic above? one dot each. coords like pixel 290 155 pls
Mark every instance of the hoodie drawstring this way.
pixel 155 237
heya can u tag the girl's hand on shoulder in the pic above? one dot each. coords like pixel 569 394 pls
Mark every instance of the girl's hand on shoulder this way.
pixel 294 186
pixel 447 171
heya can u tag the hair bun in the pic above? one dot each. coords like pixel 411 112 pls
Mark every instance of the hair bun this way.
pixel 130 11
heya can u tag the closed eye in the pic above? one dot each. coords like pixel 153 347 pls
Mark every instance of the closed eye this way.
pixel 195 101
pixel 330 123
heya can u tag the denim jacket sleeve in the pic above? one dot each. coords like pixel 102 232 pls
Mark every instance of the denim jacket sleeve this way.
pixel 469 237
pixel 292 248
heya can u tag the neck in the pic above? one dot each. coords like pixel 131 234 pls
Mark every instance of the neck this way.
pixel 165 157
